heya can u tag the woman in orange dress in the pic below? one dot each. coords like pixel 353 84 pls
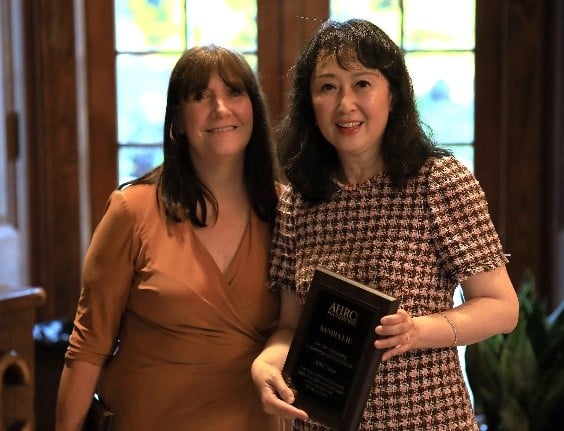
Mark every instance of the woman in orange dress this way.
pixel 173 308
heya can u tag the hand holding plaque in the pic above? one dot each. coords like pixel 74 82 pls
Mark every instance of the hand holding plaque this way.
pixel 332 359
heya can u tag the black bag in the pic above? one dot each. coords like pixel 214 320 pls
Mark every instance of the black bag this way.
pixel 99 418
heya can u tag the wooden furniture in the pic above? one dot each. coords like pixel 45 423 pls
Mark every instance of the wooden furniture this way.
pixel 17 316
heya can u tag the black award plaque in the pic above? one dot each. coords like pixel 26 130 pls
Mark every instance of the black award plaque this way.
pixel 332 359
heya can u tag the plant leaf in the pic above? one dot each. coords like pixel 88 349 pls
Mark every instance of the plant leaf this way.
pixel 482 369
pixel 518 379
pixel 518 366
pixel 550 398
pixel 553 352
pixel 513 417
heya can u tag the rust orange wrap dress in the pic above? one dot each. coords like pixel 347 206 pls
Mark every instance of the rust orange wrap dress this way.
pixel 187 332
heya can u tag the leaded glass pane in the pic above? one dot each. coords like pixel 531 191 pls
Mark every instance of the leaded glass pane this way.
pixel 134 161
pixel 232 23
pixel 384 13
pixel 444 88
pixel 142 82
pixel 150 25
pixel 252 59
pixel 438 24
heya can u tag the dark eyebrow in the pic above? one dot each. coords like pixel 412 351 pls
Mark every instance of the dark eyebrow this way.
pixel 360 73
pixel 324 75
pixel 375 73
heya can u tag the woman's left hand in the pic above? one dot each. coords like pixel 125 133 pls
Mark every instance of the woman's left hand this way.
pixel 399 334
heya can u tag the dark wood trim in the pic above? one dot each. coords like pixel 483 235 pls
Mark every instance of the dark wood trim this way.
pixel 10 116
pixel 53 201
pixel 489 150
pixel 515 142
pixel 554 157
pixel 101 105
pixel 556 89
pixel 59 146
pixel 269 36
pixel 284 27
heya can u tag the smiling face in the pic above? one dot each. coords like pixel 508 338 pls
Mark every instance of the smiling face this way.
pixel 351 106
pixel 218 122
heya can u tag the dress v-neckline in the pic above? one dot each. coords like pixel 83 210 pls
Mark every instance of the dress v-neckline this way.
pixel 231 267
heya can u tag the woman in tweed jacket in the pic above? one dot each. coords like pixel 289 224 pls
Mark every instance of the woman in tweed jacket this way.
pixel 372 198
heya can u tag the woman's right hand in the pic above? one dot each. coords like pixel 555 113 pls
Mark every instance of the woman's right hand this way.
pixel 275 395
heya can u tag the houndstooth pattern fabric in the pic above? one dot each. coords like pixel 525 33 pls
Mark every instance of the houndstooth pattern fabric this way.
pixel 416 244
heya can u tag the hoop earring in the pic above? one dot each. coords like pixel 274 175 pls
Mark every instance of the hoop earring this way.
pixel 171 133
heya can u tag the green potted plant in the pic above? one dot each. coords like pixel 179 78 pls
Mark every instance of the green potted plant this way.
pixel 517 379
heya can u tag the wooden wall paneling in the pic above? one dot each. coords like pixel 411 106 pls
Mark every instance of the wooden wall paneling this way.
pixel 524 64
pixel 300 20
pixel 52 154
pixel 269 46
pixel 11 117
pixel 510 113
pixel 554 158
pixel 556 68
pixel 101 105
pixel 490 143
pixel 284 27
